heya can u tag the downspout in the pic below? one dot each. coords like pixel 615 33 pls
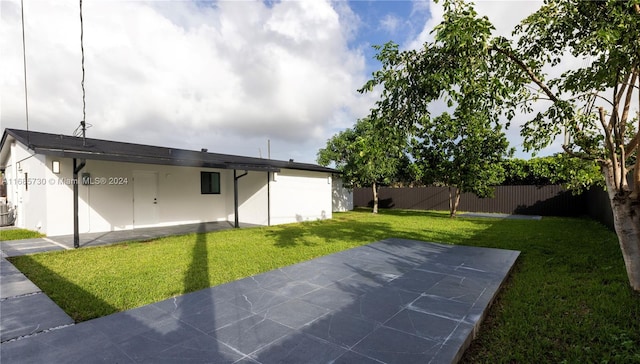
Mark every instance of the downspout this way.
pixel 235 196
pixel 76 230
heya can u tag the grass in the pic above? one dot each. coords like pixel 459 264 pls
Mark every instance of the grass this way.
pixel 567 300
pixel 17 234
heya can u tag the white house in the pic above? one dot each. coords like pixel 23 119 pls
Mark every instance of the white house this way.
pixel 125 186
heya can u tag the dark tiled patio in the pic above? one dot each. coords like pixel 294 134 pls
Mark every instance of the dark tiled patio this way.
pixel 393 301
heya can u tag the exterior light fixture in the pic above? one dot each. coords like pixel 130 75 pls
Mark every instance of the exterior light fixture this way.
pixel 55 167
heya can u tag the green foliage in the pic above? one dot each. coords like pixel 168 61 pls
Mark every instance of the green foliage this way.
pixel 17 234
pixel 567 298
pixel 460 147
pixel 574 173
pixel 606 34
pixel 456 152
pixel 369 153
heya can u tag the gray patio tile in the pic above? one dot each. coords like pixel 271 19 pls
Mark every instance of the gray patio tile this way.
pixel 257 300
pixel 194 302
pixel 380 305
pixel 340 329
pixel 77 344
pixel 299 348
pixel 353 358
pixel 295 313
pixel 16 285
pixel 318 273
pixel 383 270
pixel 417 281
pixel 6 268
pixel 359 284
pixel 391 346
pixel 158 338
pixel 201 349
pixel 421 324
pixel 212 316
pixel 330 298
pixel 292 289
pixel 29 314
pixel 435 305
pixel 251 334
pixel 271 278
pixel 123 326
pixel 459 289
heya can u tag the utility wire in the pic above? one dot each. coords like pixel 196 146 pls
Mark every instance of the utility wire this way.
pixel 24 63
pixel 84 103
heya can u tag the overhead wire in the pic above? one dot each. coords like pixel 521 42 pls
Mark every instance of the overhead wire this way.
pixel 24 63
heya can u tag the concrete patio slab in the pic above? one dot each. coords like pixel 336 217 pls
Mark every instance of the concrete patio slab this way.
pixel 26 315
pixel 393 301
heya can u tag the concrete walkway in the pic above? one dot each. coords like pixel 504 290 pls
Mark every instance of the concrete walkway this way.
pixel 394 301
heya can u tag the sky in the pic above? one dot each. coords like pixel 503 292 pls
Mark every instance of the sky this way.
pixel 229 76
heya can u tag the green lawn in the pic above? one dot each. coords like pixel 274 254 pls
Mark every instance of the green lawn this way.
pixel 567 300
pixel 17 234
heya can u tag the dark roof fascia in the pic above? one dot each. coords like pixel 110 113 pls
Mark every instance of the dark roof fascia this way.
pixel 210 160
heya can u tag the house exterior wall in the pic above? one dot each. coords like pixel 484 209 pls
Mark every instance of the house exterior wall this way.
pixel 25 190
pixel 300 196
pixel 252 199
pixel 342 197
pixel 108 202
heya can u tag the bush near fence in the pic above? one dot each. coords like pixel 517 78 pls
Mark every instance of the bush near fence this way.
pixel 549 200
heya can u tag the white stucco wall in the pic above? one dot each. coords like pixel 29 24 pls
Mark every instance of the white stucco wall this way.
pixel 27 192
pixel 252 198
pixel 108 204
pixel 342 197
pixel 300 196
pixel 47 204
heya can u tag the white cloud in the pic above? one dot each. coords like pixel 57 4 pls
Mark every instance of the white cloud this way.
pixel 225 76
pixel 390 23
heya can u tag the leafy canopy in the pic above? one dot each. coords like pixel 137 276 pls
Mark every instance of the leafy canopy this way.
pixel 367 154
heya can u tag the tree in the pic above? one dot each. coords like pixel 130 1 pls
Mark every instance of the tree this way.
pixel 367 155
pixel 463 153
pixel 508 77
pixel 462 146
pixel 602 128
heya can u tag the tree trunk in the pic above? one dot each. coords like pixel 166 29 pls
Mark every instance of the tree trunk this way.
pixel 626 220
pixel 454 201
pixel 375 198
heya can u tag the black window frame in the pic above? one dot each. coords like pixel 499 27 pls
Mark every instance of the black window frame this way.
pixel 207 185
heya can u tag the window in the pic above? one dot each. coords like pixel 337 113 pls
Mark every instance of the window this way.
pixel 210 183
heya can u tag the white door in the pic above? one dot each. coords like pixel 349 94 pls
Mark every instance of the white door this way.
pixel 145 198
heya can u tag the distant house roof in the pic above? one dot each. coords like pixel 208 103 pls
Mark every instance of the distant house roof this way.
pixel 66 146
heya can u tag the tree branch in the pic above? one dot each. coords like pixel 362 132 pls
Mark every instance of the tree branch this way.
pixel 528 71
pixel 610 145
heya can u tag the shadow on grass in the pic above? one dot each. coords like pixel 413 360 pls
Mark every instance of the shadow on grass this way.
pixel 69 296
pixel 197 275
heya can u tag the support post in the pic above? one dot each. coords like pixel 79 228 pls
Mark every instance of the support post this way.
pixel 76 229
pixel 235 196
